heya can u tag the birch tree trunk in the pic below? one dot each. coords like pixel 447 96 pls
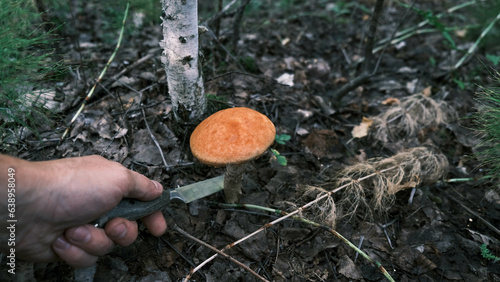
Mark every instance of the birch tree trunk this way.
pixel 180 57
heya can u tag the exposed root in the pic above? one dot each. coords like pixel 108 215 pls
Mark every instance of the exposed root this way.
pixel 326 210
pixel 407 118
pixel 375 195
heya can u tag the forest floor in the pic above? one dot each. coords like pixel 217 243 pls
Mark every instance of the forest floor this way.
pixel 420 112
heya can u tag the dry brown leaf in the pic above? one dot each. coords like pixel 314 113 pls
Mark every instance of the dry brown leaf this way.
pixel 324 143
pixel 427 91
pixel 389 101
pixel 361 130
pixel 340 80
pixel 461 33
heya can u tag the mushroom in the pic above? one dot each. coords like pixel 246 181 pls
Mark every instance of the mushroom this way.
pixel 230 138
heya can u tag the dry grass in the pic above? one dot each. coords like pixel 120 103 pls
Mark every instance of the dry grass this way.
pixel 407 118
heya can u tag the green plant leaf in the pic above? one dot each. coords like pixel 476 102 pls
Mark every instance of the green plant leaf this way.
pixel 282 160
pixel 493 58
pixel 280 139
pixel 459 83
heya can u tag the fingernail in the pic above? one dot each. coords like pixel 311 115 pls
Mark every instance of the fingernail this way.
pixel 61 244
pixel 80 235
pixel 157 185
pixel 119 231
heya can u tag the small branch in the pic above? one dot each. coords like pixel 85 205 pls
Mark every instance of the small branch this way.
pixel 491 226
pixel 315 224
pixel 369 50
pixel 100 76
pixel 365 73
pixel 371 35
pixel 237 23
pixel 220 14
pixel 189 236
pixel 167 167
pixel 297 211
pixel 474 46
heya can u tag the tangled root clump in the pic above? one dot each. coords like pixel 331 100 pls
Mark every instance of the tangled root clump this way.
pixel 326 210
pixel 370 187
pixel 407 118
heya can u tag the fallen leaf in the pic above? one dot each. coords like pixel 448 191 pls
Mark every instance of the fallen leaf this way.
pixel 361 130
pixel 461 33
pixel 361 157
pixel 347 268
pixel 389 101
pixel 302 131
pixel 340 80
pixel 286 79
pixel 324 143
pixel 427 91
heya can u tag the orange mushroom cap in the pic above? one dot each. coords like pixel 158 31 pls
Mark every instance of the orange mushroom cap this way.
pixel 232 136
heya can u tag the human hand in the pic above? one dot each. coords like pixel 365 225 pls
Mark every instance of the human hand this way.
pixel 55 201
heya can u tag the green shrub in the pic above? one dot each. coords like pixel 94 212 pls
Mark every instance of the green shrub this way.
pixel 488 121
pixel 25 60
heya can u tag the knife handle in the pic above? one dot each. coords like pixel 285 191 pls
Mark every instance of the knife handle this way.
pixel 133 209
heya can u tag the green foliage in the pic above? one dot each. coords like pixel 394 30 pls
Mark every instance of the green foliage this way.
pixel 105 17
pixel 281 160
pixel 24 62
pixel 432 60
pixel 459 83
pixel 438 24
pixel 280 139
pixel 216 103
pixel 488 121
pixel 482 13
pixel 249 64
pixel 485 253
pixel 493 59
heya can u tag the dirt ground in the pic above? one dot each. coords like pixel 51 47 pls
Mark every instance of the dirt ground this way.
pixel 313 50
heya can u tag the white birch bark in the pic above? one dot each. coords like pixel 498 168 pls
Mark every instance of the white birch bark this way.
pixel 180 57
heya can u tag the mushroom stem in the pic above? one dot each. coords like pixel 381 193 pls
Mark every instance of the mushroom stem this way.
pixel 232 182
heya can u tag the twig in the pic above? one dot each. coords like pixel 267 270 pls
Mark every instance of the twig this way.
pixel 128 107
pixel 297 211
pixel 403 34
pixel 178 229
pixel 471 212
pixel 315 224
pixel 474 46
pixel 247 74
pixel 369 51
pixel 130 67
pixel 182 255
pixel 372 30
pixel 167 167
pixel 365 74
pixel 237 23
pixel 219 14
pixel 100 76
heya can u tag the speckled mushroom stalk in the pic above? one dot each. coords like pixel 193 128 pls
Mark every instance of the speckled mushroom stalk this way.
pixel 233 178
pixel 230 138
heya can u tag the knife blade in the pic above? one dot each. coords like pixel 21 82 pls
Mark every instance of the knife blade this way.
pixel 133 209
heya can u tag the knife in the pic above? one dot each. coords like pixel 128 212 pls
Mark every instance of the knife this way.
pixel 133 209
